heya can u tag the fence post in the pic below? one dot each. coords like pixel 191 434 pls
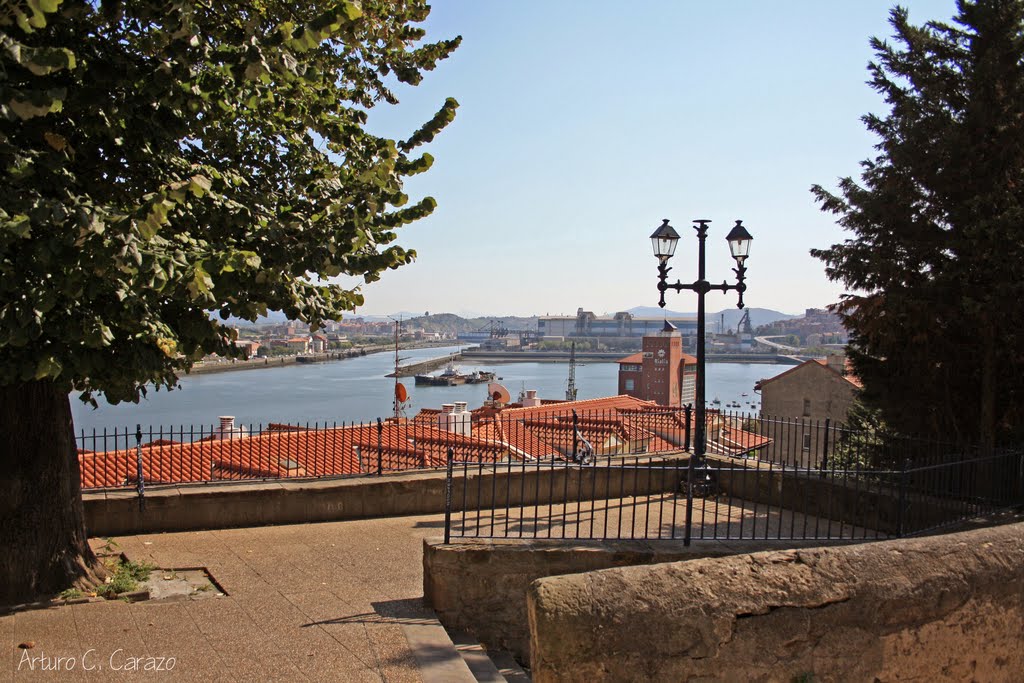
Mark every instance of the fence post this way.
pixel 688 413
pixel 824 447
pixel 902 498
pixel 448 497
pixel 688 521
pixel 140 486
pixel 380 454
pixel 575 436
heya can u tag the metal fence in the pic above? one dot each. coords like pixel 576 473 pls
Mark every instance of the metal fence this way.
pixel 203 454
pixel 651 498
pixel 599 471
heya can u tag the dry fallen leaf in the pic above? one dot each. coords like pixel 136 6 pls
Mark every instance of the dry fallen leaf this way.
pixel 27 645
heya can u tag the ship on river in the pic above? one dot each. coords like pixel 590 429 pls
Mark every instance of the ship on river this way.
pixel 451 376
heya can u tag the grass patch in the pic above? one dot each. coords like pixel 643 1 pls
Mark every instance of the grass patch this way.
pixel 71 594
pixel 125 577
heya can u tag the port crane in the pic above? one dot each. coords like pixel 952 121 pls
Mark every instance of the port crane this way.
pixel 570 388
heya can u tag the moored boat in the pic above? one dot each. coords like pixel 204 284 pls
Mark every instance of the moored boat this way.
pixel 451 376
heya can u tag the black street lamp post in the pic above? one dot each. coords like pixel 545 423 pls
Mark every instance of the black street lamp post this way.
pixel 664 241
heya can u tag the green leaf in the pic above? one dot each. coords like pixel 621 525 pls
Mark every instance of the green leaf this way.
pixel 19 225
pixel 48 367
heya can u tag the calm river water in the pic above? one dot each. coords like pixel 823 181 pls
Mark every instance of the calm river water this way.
pixel 356 390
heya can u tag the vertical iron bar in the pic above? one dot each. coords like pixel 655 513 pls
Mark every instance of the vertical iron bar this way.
pixel 688 518
pixel 380 452
pixel 686 436
pixel 449 465
pixel 824 448
pixel 140 484
pixel 902 499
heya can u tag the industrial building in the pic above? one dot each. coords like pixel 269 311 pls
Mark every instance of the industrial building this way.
pixel 622 324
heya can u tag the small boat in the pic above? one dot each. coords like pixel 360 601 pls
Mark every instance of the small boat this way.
pixel 451 376
pixel 716 402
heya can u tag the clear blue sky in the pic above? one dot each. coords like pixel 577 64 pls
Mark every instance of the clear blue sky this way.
pixel 583 123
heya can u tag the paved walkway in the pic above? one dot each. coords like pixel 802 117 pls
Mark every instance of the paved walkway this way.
pixel 333 601
pixel 328 601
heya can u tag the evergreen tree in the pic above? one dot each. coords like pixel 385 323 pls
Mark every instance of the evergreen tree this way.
pixel 161 160
pixel 934 265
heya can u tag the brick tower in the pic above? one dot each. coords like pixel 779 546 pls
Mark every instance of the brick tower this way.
pixel 662 372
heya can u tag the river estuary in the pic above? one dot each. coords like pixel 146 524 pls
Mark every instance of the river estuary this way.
pixel 356 389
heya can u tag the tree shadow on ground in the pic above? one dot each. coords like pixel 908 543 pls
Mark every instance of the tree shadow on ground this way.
pixel 408 611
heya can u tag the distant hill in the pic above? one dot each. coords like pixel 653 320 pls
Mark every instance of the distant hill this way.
pixel 449 323
pixel 272 318
pixel 758 316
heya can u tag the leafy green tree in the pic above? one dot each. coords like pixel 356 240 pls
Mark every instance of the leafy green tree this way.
pixel 933 265
pixel 162 160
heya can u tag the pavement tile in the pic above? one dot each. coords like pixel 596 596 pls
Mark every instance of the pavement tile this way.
pixel 57 652
pixel 108 633
pixel 10 647
pixel 312 650
pixel 329 601
pixel 167 630
pixel 248 651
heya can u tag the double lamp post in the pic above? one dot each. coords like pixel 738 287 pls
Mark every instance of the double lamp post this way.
pixel 664 241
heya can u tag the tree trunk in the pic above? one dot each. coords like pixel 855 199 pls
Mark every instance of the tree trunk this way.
pixel 43 547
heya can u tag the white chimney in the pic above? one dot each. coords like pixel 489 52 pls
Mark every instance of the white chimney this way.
pixel 444 417
pixel 227 428
pixel 531 400
pixel 461 420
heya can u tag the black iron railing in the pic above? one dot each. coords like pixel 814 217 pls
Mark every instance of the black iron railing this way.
pixel 608 469
pixel 730 499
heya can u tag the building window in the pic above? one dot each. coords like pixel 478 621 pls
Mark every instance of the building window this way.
pixel 629 385
pixel 807 442
pixel 807 407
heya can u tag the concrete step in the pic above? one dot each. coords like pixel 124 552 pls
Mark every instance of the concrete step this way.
pixel 438 659
pixel 488 666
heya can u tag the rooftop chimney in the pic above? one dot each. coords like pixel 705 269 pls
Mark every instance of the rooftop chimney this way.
pixel 455 417
pixel 531 399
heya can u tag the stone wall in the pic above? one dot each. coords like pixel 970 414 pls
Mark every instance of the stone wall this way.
pixel 480 586
pixel 947 607
pixel 218 506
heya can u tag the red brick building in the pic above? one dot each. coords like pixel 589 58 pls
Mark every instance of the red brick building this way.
pixel 661 372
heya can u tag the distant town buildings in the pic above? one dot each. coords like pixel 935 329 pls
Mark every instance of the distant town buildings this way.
pixel 817 327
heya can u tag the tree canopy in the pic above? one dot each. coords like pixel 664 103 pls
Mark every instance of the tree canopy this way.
pixel 935 300
pixel 162 160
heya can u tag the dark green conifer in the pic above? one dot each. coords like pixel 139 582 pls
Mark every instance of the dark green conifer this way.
pixel 935 261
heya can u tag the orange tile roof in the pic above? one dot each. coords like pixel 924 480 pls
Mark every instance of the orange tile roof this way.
pixel 616 424
pixel 635 358
pixel 286 451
